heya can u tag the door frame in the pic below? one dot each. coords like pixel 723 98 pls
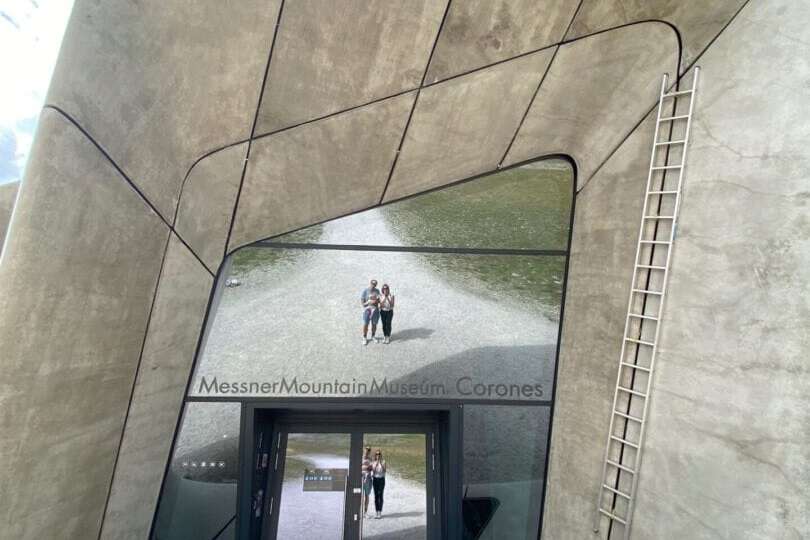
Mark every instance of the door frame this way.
pixel 262 421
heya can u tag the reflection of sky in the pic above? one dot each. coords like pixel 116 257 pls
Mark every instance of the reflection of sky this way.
pixel 30 35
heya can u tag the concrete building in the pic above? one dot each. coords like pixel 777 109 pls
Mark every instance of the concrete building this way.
pixel 176 133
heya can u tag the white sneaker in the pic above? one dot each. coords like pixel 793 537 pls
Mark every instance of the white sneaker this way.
pixel 387 341
pixel 365 341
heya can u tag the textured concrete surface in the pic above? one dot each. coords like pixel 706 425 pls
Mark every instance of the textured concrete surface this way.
pixel 463 126
pixel 727 446
pixel 697 21
pixel 76 285
pixel 384 49
pixel 602 250
pixel 596 90
pixel 158 84
pixel 206 203
pixel 320 170
pixel 168 352
pixel 477 34
pixel 8 194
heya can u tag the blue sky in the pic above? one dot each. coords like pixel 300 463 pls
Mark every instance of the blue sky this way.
pixel 30 34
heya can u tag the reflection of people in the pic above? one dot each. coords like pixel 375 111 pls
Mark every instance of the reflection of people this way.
pixel 386 311
pixel 378 480
pixel 370 300
pixel 366 479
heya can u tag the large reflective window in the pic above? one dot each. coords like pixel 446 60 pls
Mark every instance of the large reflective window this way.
pixel 476 272
pixel 463 326
pixel 198 501
pixel 504 462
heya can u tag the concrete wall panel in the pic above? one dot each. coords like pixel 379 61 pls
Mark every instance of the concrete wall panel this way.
pixel 159 84
pixel 320 170
pixel 463 126
pixel 8 194
pixel 728 442
pixel 168 352
pixel 476 34
pixel 330 56
pixel 76 285
pixel 596 90
pixel 602 250
pixel 206 203
pixel 697 21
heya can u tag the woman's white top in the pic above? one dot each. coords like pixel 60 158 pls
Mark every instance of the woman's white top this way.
pixel 387 302
pixel 378 469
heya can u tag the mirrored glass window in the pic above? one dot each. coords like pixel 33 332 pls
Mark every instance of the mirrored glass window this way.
pixel 199 492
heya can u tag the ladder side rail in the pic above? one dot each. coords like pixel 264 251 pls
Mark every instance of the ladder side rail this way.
pixel 598 515
pixel 643 428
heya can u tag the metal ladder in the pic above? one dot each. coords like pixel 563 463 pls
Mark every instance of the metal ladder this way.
pixel 659 217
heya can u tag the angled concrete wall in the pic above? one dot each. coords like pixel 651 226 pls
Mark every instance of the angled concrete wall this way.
pixel 134 195
pixel 8 194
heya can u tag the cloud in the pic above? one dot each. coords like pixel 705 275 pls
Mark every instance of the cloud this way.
pixel 9 170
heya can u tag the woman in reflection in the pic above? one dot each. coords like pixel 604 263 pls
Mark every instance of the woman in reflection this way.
pixel 366 476
pixel 386 311
pixel 378 479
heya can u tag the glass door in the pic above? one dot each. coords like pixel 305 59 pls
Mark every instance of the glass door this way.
pixel 395 486
pixel 311 496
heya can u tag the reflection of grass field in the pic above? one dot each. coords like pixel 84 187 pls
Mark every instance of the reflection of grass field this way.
pixel 247 259
pixel 403 453
pixel 526 207
pixel 522 208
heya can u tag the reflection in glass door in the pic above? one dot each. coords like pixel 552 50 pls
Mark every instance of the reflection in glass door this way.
pixel 395 486
pixel 312 499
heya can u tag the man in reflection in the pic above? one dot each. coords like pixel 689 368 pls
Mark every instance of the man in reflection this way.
pixel 370 300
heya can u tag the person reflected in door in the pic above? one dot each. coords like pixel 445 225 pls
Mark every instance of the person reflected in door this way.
pixel 366 479
pixel 378 469
pixel 386 312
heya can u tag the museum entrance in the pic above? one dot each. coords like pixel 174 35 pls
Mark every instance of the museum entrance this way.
pixel 350 474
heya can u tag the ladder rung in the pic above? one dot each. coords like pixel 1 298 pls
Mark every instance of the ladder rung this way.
pixel 645 291
pixel 655 242
pixel 676 93
pixel 620 466
pixel 636 366
pixel 640 342
pixel 613 516
pixel 617 492
pixel 666 143
pixel 665 167
pixel 624 441
pixel 670 118
pixel 666 192
pixel 651 267
pixel 659 217
pixel 629 416
pixel 640 316
pixel 634 392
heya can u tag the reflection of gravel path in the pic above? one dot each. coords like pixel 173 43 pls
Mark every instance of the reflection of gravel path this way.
pixel 404 516
pixel 302 319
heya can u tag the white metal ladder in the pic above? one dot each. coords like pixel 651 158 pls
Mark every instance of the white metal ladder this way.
pixel 628 419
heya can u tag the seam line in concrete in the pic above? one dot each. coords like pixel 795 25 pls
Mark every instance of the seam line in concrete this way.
pixel 253 128
pixel 415 101
pixel 134 382
pixel 128 180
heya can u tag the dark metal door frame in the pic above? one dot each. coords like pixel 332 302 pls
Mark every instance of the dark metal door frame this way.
pixel 263 441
